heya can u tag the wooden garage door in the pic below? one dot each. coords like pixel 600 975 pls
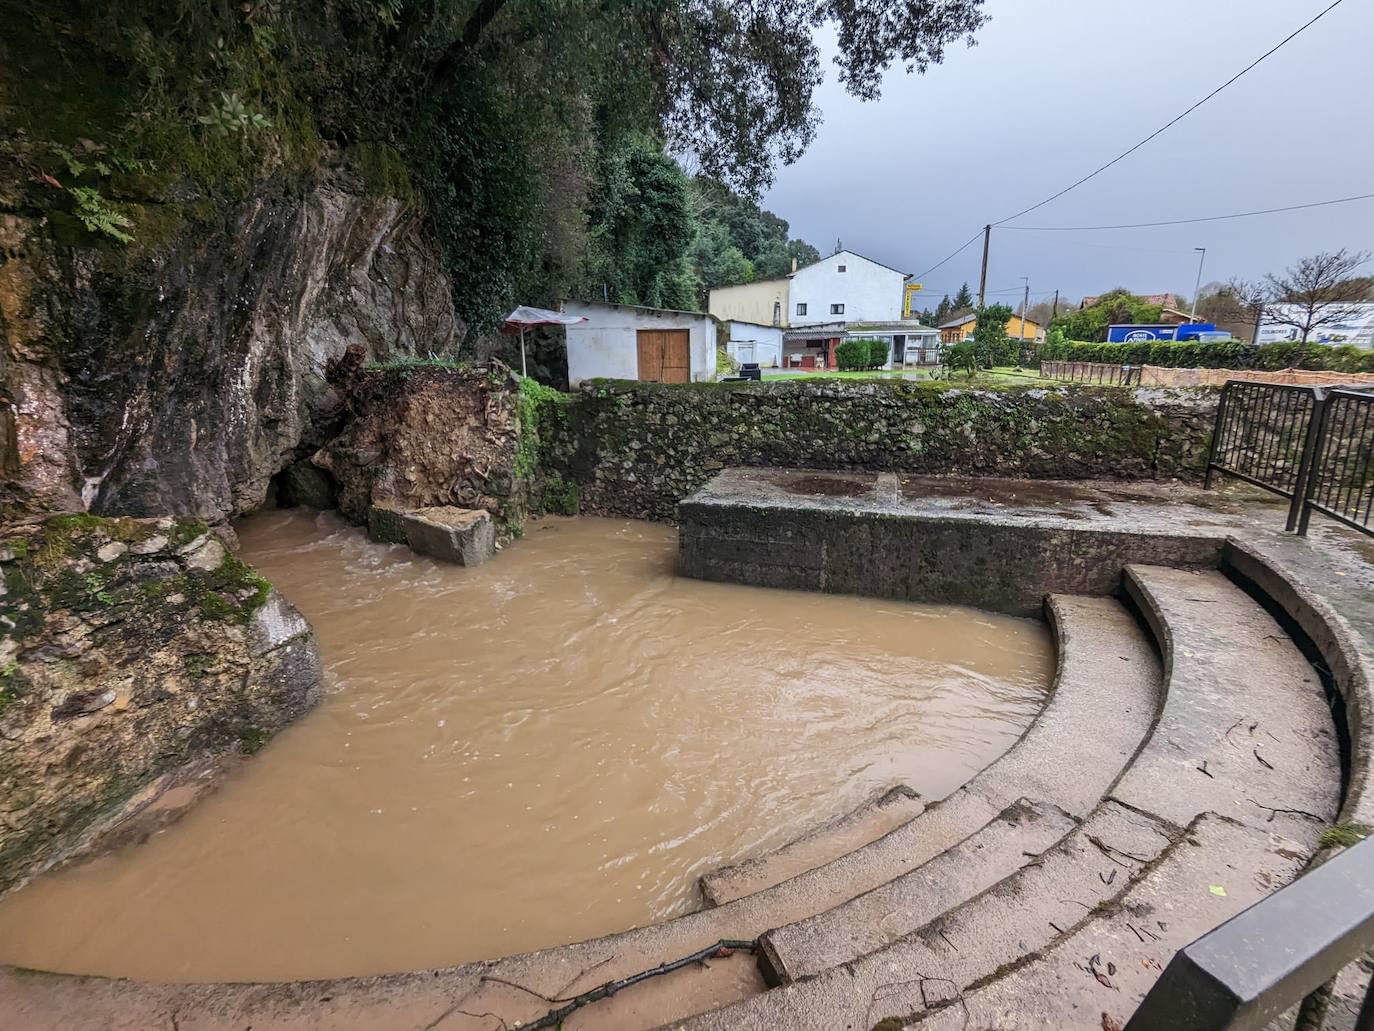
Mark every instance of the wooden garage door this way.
pixel 665 355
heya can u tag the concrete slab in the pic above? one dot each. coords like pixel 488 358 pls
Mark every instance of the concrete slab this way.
pixel 463 536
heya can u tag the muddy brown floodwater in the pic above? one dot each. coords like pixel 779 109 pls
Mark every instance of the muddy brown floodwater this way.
pixel 547 748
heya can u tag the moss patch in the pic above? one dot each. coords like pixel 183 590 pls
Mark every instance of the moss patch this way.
pixel 1343 835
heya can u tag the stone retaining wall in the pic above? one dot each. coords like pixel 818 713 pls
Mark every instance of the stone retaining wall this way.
pixel 637 449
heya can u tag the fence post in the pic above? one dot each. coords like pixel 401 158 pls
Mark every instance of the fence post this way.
pixel 1217 429
pixel 1300 512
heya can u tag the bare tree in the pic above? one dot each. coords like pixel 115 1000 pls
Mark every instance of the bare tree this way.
pixel 1317 291
pixel 1243 301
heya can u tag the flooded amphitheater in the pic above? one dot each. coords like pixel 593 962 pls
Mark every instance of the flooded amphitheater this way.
pixel 547 748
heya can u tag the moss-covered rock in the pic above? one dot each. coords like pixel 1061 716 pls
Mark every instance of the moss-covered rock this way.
pixel 131 652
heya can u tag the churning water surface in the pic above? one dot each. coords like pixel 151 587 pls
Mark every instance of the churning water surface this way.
pixel 543 749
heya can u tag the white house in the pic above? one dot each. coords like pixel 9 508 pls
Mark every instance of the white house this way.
pixel 752 342
pixel 627 341
pixel 845 287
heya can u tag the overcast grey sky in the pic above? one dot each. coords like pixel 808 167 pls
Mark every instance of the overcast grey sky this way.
pixel 1054 89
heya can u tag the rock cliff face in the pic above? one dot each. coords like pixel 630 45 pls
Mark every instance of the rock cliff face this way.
pixel 430 435
pixel 177 376
pixel 136 656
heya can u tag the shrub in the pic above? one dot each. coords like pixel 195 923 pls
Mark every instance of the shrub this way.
pixel 856 355
pixel 1225 354
pixel 852 355
pixel 963 357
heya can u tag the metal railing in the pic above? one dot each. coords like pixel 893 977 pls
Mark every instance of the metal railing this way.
pixel 1340 484
pixel 1092 372
pixel 1312 445
pixel 1272 956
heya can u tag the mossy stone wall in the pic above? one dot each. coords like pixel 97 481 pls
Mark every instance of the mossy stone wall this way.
pixel 636 449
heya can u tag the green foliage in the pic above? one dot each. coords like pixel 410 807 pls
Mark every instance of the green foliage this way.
pixel 560 496
pixel 1225 354
pixel 229 115
pixel 990 338
pixel 964 357
pixel 97 216
pixel 537 405
pixel 641 228
pixel 1343 835
pixel 862 354
pixel 1115 307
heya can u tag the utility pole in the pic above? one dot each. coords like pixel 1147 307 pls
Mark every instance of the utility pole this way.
pixel 983 276
pixel 1054 312
pixel 1025 306
pixel 1197 288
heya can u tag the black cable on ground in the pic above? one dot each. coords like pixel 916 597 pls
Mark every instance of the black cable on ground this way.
pixel 720 950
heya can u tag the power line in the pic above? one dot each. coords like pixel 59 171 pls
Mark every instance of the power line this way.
pixel 1126 153
pixel 922 275
pixel 1190 221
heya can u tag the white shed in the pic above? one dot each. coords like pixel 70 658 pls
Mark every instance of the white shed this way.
pixel 753 342
pixel 627 341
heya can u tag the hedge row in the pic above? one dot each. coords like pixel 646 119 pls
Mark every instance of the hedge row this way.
pixel 1230 354
pixel 854 355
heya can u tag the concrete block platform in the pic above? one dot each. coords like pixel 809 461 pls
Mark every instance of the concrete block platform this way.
pixel 463 536
pixel 993 543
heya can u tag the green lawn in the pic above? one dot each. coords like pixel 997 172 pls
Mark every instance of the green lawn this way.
pixel 987 378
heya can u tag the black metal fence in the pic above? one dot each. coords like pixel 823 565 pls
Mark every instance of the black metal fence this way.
pixel 1312 445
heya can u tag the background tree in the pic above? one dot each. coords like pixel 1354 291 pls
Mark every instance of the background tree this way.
pixel 1113 308
pixel 990 338
pixel 963 300
pixel 1317 291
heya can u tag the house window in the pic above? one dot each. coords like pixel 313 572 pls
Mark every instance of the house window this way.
pixel 837 309
pixel 777 313
pixel 801 309
pixel 843 267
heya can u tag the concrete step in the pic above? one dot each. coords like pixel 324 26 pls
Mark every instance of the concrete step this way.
pixel 868 822
pixel 1246 729
pixel 1096 976
pixel 1104 699
pixel 864 924
pixel 1229 668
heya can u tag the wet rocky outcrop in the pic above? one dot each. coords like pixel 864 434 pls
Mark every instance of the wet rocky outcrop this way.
pixel 425 435
pixel 178 373
pixel 137 656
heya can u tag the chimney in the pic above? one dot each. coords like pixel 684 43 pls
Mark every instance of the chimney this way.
pixel 794 264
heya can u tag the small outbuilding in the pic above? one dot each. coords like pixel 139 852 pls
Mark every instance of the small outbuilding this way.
pixel 753 342
pixel 628 341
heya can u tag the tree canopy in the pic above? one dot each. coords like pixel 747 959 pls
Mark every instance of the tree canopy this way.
pixel 523 130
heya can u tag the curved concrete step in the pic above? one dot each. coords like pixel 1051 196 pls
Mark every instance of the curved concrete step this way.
pixel 1246 729
pixel 1096 976
pixel 1105 702
pixel 996 850
pixel 868 822
pixel 1230 669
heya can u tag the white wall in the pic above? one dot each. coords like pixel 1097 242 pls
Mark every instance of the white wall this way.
pixel 751 343
pixel 606 345
pixel 869 292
